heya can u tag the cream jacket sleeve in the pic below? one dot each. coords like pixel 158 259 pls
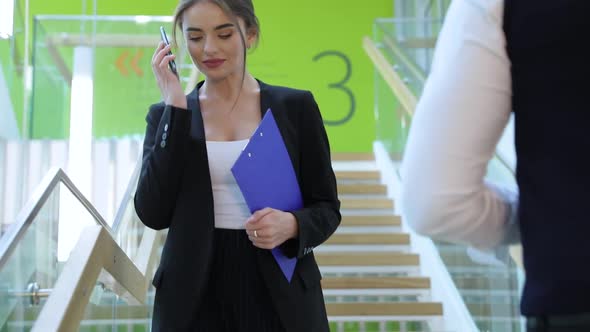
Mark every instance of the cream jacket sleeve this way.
pixel 465 106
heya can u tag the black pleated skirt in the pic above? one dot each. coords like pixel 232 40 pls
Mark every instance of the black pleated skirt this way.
pixel 237 298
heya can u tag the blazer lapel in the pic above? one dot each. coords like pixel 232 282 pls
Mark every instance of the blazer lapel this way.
pixel 197 132
pixel 265 98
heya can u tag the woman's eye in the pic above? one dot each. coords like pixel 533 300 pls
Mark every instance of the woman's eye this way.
pixel 195 38
pixel 226 36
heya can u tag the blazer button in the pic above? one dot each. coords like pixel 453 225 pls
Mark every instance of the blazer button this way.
pixel 163 144
pixel 166 127
pixel 164 136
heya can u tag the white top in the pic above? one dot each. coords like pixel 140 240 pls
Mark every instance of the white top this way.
pixel 466 104
pixel 231 210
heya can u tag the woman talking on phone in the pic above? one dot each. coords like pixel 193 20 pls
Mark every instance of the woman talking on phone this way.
pixel 217 272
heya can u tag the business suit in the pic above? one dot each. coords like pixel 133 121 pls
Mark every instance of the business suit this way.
pixel 174 191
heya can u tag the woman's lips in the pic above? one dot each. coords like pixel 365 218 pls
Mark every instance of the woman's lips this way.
pixel 213 63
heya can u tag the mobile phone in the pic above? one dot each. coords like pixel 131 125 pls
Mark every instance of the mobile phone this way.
pixel 171 64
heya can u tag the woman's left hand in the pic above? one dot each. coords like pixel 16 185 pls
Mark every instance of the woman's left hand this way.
pixel 269 228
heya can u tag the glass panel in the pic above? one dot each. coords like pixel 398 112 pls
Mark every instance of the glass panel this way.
pixel 366 326
pixel 50 95
pixel 381 326
pixel 421 8
pixel 490 286
pixel 31 266
pixel 108 312
pixel 489 283
pixel 121 49
pixel 409 45
pixel 3 223
pixel 128 228
pixel 130 231
pixel 120 70
pixel 401 41
pixel 11 61
pixel 391 119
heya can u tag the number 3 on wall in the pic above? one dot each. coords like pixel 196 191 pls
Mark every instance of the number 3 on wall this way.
pixel 340 86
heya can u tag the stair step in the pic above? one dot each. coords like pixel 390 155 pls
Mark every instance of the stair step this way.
pixel 370 238
pixel 375 283
pixel 334 309
pixel 361 188
pixel 478 283
pixel 494 310
pixel 353 156
pixel 364 203
pixel 385 309
pixel 368 220
pixel 367 259
pixel 358 175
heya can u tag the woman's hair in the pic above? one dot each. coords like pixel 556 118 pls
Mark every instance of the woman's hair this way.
pixel 235 9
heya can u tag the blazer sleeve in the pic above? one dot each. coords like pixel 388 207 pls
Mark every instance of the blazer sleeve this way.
pixel 162 164
pixel 321 213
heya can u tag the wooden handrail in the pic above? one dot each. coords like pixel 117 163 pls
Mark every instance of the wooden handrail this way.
pixel 402 92
pixel 60 63
pixel 408 102
pixel 144 260
pixel 96 250
pixel 394 47
pixel 29 212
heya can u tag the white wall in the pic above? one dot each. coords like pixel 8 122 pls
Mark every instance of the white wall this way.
pixel 23 164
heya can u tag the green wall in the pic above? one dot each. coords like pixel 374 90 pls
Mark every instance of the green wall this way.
pixel 308 44
pixel 296 32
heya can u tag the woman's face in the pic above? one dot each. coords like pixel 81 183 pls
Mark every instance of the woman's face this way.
pixel 213 41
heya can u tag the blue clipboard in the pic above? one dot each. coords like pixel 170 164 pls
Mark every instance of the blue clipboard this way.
pixel 264 172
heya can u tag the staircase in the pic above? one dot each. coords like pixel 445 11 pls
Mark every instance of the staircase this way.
pixel 371 280
pixel 490 292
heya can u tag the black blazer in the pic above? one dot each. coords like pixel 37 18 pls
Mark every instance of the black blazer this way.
pixel 174 192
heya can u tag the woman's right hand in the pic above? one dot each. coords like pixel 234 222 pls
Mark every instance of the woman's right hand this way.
pixel 168 82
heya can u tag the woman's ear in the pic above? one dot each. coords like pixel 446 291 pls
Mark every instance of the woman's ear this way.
pixel 251 37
